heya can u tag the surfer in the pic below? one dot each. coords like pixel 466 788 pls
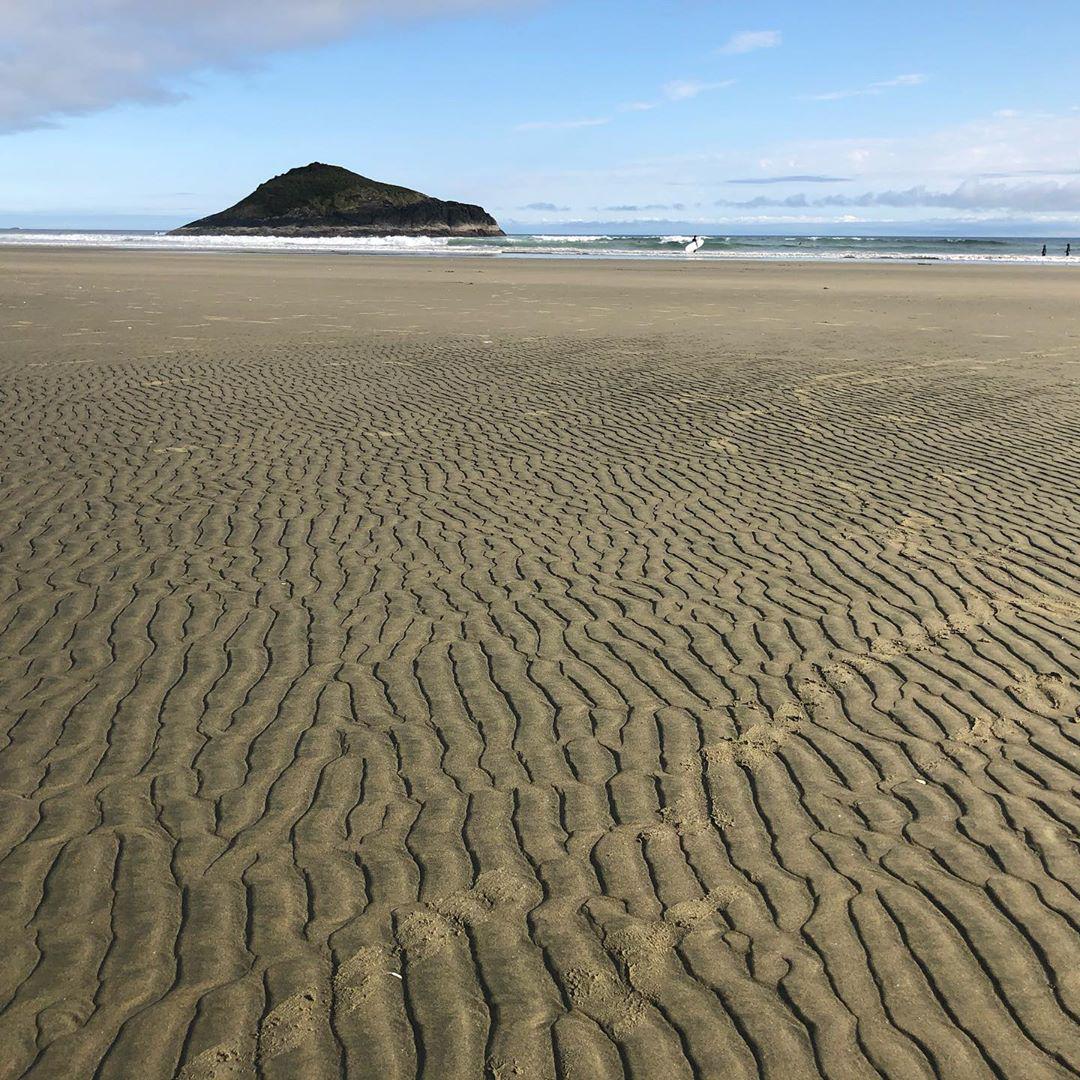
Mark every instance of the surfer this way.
pixel 694 245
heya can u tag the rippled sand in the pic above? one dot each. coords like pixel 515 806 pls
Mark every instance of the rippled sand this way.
pixel 506 669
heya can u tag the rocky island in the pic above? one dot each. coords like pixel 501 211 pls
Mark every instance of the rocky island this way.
pixel 327 200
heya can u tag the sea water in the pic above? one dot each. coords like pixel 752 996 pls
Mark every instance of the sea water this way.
pixel 957 249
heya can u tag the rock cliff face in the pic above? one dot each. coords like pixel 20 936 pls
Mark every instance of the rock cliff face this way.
pixel 327 200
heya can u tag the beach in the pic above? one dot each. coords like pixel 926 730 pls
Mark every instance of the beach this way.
pixel 469 668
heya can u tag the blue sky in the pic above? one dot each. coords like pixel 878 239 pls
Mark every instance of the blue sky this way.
pixel 957 116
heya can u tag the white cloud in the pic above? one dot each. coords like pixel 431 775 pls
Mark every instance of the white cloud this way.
pixel 684 89
pixel 677 90
pixel 69 57
pixel 562 125
pixel 749 40
pixel 873 89
pixel 900 80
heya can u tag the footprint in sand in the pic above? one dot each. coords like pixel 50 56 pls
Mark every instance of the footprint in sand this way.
pixel 361 976
pixel 1062 694
pixel 725 446
pixel 606 998
pixel 289 1025
pixel 227 1061
pixel 759 742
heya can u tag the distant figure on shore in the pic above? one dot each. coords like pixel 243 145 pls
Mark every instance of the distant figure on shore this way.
pixel 1068 250
pixel 1044 250
pixel 695 244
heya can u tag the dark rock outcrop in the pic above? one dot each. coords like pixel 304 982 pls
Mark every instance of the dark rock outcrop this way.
pixel 327 200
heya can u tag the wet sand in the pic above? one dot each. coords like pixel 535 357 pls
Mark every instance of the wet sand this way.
pixel 537 669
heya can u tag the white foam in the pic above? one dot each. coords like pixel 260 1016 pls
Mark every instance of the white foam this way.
pixel 167 242
pixel 558 238
pixel 520 246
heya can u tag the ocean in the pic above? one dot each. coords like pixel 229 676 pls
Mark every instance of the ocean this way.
pixel 957 249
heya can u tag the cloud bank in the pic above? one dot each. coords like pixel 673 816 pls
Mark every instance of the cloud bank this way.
pixel 1038 197
pixel 70 57
pixel 797 179
pixel 1016 169
pixel 627 208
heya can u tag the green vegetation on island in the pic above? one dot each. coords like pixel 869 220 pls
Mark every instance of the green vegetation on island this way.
pixel 327 200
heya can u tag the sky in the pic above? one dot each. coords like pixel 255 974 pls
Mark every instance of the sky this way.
pixel 592 115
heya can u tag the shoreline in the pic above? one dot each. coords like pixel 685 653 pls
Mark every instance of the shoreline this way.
pixel 815 249
pixel 1001 262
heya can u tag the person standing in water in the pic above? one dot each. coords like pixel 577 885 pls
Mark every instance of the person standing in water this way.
pixel 1044 251
pixel 1068 250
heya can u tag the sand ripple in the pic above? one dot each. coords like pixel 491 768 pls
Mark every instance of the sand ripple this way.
pixel 538 708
